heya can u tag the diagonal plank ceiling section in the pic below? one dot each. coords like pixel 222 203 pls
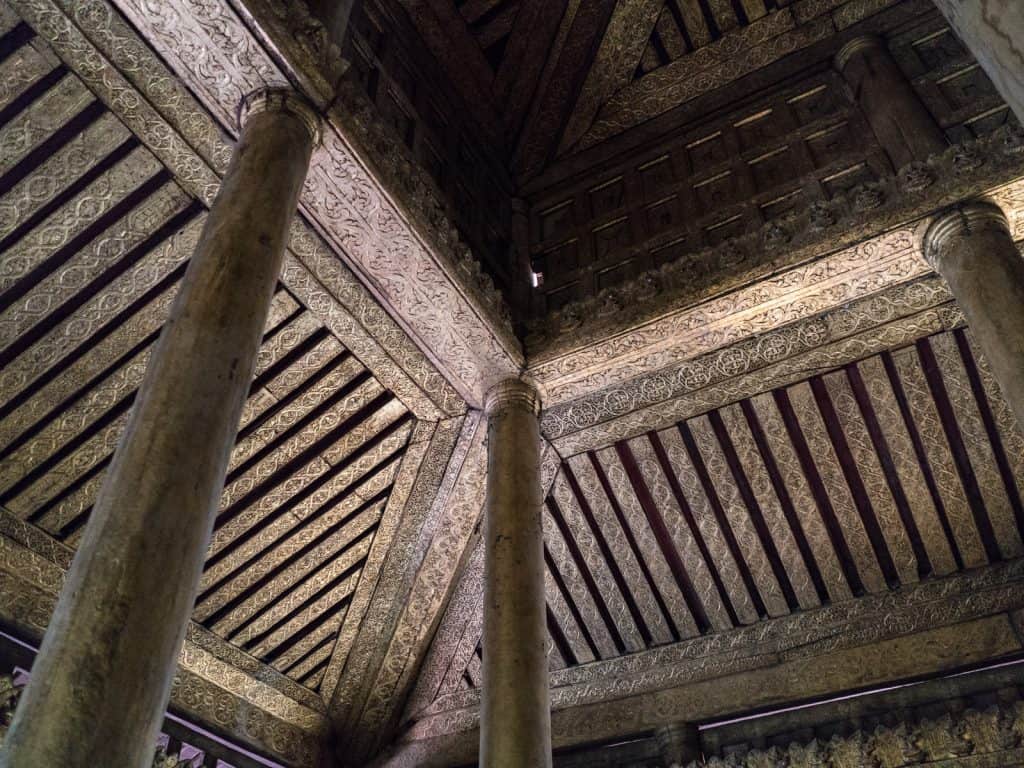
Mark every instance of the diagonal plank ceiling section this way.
pixel 903 467
pixel 95 236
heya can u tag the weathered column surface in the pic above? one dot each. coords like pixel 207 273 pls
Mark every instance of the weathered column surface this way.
pixel 901 122
pixel 993 31
pixel 972 248
pixel 101 681
pixel 515 710
pixel 679 744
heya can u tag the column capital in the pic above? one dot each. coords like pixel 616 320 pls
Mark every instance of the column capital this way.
pixel 281 100
pixel 512 393
pixel 964 219
pixel 857 45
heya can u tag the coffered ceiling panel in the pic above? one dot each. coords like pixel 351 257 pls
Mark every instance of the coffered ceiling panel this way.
pixel 903 467
pixel 95 236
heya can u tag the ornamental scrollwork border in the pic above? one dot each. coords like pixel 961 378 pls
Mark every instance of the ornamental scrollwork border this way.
pixel 986 166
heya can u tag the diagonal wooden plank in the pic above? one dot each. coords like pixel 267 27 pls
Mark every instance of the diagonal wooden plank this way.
pixel 801 496
pixel 32 126
pixel 907 466
pixel 528 48
pixel 91 262
pixel 869 469
pixel 577 588
pixel 585 540
pixel 756 472
pixel 1006 423
pixel 737 516
pixel 940 457
pixel 31 367
pixel 683 538
pixel 647 543
pixel 595 497
pixel 827 463
pixel 977 444
pixel 617 57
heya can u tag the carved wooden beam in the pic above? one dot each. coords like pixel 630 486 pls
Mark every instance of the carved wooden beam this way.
pixel 616 60
pixel 527 51
pixel 582 24
pixel 420 570
pixel 931 628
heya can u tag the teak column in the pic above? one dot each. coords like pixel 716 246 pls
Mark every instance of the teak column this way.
pixel 972 248
pixel 515 709
pixel 993 31
pixel 102 679
pixel 899 119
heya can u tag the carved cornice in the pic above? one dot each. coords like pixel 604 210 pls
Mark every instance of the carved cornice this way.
pixel 896 316
pixel 620 326
pixel 215 684
pixel 971 738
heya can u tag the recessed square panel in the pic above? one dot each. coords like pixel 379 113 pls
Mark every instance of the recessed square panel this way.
pixel 611 238
pixel 607 198
pixel 556 221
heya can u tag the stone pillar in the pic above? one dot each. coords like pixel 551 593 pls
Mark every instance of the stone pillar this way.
pixel 972 248
pixel 993 31
pixel 902 124
pixel 515 709
pixel 102 679
pixel 679 744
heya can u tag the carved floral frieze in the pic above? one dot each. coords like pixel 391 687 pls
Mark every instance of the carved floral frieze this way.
pixel 987 737
pixel 577 335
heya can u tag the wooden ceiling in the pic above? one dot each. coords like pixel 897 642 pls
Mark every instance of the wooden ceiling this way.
pixel 900 468
pixel 95 235
pixel 566 75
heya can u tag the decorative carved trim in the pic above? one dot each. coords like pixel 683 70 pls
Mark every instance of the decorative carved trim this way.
pixel 568 341
pixel 968 738
pixel 377 676
pixel 378 208
pixel 893 317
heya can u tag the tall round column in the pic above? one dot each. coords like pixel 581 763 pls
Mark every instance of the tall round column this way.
pixel 101 681
pixel 515 710
pixel 972 248
pixel 901 122
pixel 993 31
